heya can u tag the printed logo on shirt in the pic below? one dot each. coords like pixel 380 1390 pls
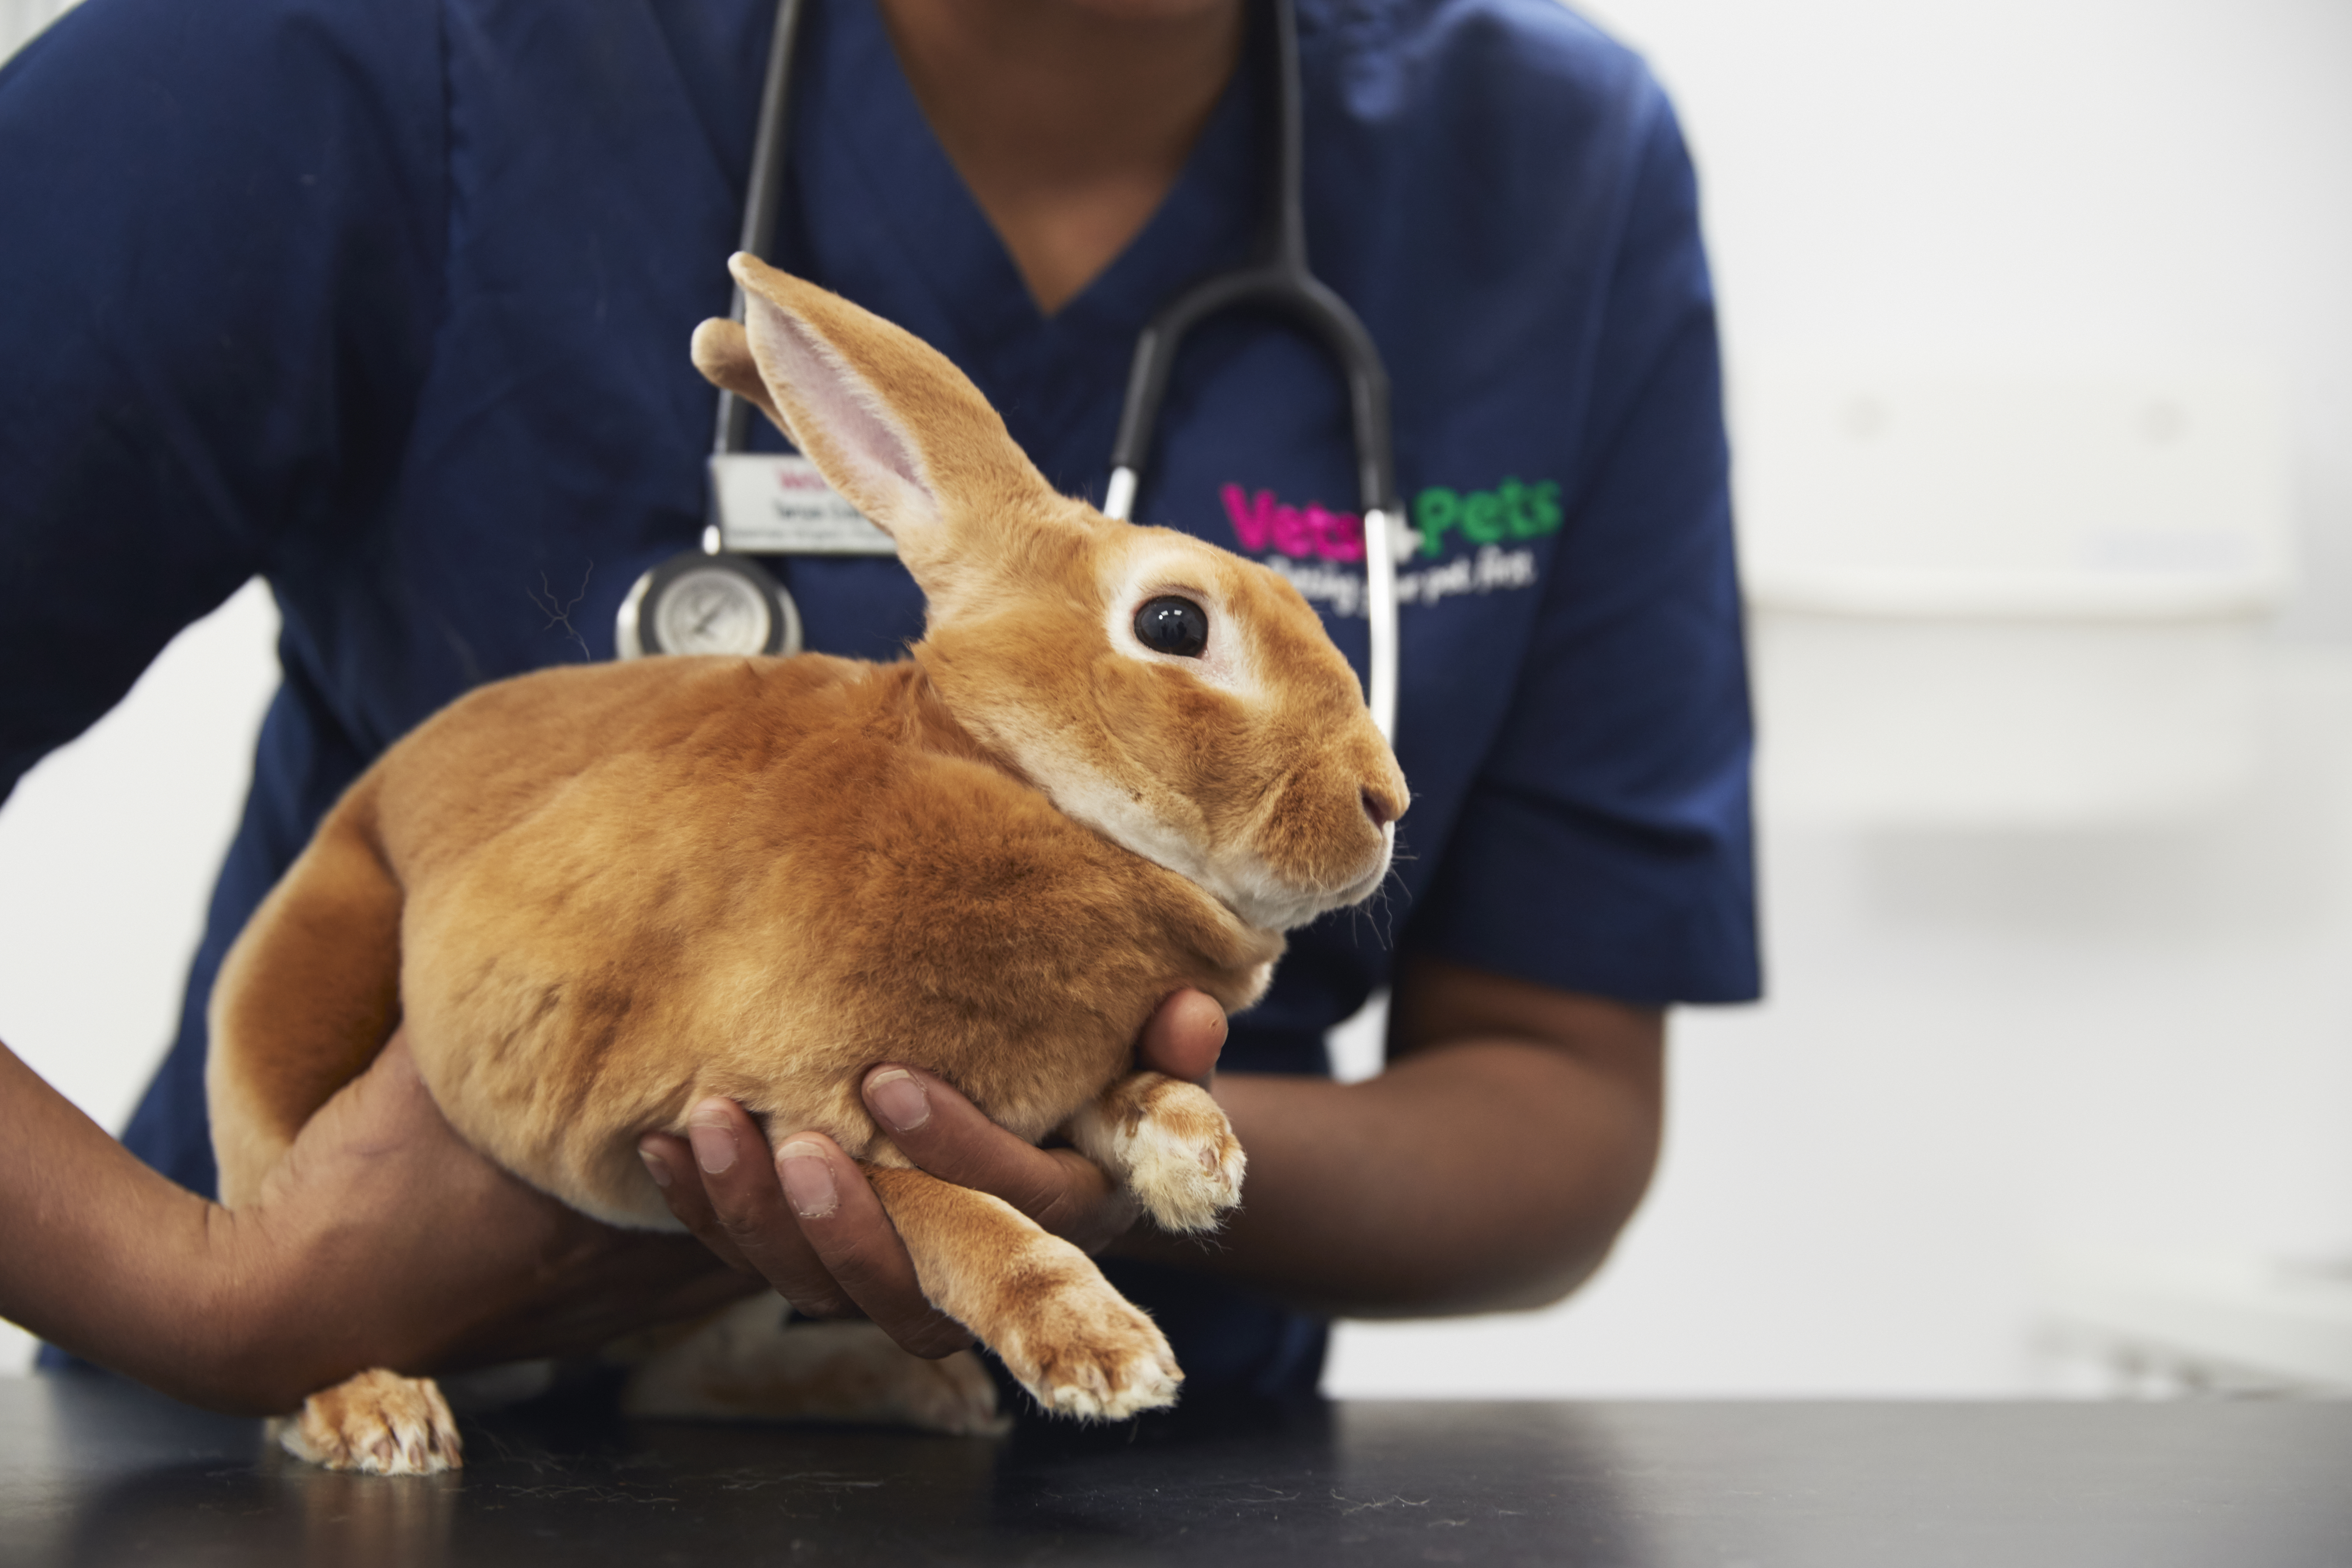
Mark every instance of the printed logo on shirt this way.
pixel 1308 533
pixel 1510 511
pixel 1313 545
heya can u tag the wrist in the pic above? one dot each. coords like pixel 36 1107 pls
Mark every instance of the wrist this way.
pixel 107 1259
pixel 170 1300
pixel 242 1338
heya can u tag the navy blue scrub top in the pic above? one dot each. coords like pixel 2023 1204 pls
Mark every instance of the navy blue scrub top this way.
pixel 388 301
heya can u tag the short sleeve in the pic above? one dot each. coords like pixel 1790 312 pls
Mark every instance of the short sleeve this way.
pixel 224 230
pixel 1605 846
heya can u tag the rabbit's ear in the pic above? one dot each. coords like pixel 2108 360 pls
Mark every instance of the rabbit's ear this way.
pixel 892 426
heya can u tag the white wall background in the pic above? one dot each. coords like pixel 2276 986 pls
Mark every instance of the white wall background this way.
pixel 20 19
pixel 1981 1045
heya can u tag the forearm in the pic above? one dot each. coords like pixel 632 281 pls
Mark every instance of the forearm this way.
pixel 1491 1166
pixel 381 1239
pixel 1480 1177
pixel 98 1254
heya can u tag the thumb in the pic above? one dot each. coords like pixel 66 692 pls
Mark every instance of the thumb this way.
pixel 1184 1037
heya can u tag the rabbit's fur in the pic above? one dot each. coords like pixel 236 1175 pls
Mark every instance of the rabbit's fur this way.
pixel 596 895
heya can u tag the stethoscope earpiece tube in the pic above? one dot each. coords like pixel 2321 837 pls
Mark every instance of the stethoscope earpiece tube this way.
pixel 764 196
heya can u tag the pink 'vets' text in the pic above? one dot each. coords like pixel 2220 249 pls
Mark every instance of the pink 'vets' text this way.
pixel 1313 530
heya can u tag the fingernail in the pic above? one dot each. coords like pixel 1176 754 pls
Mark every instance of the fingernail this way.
pixel 713 1141
pixel 898 1096
pixel 656 1166
pixel 808 1180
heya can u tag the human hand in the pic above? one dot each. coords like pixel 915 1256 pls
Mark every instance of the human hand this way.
pixel 383 1239
pixel 804 1218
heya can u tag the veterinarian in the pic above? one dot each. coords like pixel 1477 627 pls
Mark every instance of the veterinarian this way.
pixel 388 302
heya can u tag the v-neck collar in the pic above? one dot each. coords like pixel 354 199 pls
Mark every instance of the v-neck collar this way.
pixel 866 114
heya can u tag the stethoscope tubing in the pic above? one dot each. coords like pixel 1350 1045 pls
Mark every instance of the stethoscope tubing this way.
pixel 1285 286
pixel 769 146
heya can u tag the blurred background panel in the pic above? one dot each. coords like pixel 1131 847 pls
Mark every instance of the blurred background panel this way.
pixel 2041 374
pixel 20 19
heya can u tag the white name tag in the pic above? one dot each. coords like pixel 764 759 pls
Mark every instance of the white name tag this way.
pixel 773 503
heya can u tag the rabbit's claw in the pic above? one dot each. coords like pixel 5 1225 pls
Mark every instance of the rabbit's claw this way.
pixel 377 1422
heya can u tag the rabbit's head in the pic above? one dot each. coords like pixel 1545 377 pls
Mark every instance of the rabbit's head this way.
pixel 1181 701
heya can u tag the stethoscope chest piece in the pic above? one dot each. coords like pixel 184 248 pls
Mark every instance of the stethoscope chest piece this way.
pixel 719 599
pixel 708 602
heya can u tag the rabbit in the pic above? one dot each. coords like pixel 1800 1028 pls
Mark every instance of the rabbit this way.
pixel 1119 762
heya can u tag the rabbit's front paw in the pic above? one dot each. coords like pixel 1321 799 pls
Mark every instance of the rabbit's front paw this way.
pixel 1169 1143
pixel 378 1423
pixel 1081 1349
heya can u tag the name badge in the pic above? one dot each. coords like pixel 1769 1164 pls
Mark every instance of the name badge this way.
pixel 775 503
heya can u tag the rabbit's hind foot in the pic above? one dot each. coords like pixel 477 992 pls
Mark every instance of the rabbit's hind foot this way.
pixel 379 1424
pixel 1169 1143
pixel 745 1364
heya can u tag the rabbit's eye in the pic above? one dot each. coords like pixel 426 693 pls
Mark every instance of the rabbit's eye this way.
pixel 1172 626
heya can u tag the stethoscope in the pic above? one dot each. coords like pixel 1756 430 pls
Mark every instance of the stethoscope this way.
pixel 719 599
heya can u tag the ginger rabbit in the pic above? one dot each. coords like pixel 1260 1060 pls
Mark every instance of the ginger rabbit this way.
pixel 1119 762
